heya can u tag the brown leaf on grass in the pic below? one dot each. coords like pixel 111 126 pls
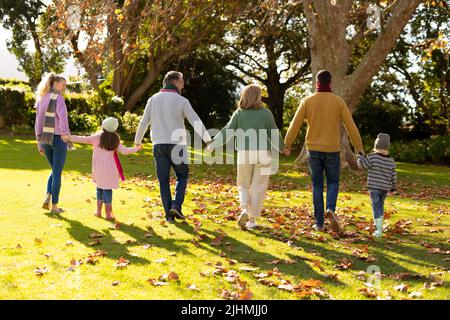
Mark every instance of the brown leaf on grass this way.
pixel 94 243
pixel 91 260
pixel 368 292
pixel 18 246
pixel 231 276
pixel 173 276
pixel 248 268
pixel 415 294
pixel 267 282
pixel 193 287
pixel 245 295
pixel 88 201
pixel 262 275
pixel 37 241
pixel 318 265
pixel 115 283
pixel 401 287
pixel 96 235
pixel 275 261
pixel 406 276
pixel 74 262
pixel 311 283
pixel 344 264
pixel 121 263
pixel 40 271
pixel 157 283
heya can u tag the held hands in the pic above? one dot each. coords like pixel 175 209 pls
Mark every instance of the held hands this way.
pixel 286 151
pixel 65 138
pixel 139 147
pixel 209 147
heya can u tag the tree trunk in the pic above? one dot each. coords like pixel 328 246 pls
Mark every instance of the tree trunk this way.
pixel 330 50
pixel 275 101
pixel 137 94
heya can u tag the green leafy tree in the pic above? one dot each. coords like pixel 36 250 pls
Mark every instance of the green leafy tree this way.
pixel 24 19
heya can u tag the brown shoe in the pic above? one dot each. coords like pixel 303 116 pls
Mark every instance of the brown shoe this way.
pixel 334 223
pixel 46 204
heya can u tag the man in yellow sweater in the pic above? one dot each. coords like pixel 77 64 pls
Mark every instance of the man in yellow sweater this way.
pixel 324 113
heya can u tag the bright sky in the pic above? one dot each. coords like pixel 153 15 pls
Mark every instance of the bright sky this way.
pixel 9 64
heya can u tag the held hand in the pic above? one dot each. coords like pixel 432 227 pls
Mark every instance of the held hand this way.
pixel 65 138
pixel 41 151
pixel 140 147
pixel 286 151
pixel 209 148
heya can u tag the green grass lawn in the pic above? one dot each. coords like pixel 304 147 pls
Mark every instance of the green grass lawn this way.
pixel 208 256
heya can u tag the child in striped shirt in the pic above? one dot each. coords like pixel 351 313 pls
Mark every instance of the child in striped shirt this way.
pixel 381 179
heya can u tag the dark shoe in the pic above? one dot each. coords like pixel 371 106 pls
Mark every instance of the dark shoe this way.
pixel 176 213
pixel 334 223
pixel 170 220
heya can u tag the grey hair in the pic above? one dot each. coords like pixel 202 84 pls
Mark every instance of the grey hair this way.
pixel 171 76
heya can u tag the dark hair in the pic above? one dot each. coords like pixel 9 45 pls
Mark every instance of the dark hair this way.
pixel 323 76
pixel 109 141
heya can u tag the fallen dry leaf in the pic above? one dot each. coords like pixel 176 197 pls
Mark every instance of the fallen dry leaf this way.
pixel 401 287
pixel 121 263
pixel 40 271
pixel 193 287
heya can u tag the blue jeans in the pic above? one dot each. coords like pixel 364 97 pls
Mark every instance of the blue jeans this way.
pixel 318 163
pixel 171 156
pixel 377 197
pixel 56 156
pixel 104 195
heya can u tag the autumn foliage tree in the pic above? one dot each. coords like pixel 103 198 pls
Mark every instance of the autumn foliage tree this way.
pixel 337 27
pixel 125 33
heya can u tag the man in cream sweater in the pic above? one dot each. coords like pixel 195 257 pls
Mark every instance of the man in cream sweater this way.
pixel 165 113
pixel 324 113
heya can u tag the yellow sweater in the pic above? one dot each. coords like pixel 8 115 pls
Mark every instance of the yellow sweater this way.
pixel 323 112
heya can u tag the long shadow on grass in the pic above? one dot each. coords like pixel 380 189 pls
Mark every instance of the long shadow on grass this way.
pixel 234 249
pixel 81 232
pixel 385 262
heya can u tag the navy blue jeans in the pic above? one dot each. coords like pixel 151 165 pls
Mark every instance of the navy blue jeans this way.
pixel 104 195
pixel 320 162
pixel 56 156
pixel 171 156
pixel 377 197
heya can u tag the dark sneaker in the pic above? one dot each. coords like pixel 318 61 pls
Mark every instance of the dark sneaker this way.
pixel 334 223
pixel 170 220
pixel 177 213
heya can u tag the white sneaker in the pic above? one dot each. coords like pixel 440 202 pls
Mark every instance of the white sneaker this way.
pixel 243 218
pixel 251 225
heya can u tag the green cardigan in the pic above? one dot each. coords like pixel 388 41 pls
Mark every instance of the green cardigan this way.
pixel 263 126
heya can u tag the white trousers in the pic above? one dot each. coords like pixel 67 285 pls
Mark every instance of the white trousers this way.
pixel 253 172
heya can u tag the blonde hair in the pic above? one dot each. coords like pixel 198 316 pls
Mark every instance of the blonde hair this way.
pixel 46 84
pixel 251 97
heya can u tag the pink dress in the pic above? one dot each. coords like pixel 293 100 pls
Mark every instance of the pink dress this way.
pixel 104 169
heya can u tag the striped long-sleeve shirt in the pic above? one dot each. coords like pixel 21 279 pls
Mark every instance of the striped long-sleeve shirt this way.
pixel 381 171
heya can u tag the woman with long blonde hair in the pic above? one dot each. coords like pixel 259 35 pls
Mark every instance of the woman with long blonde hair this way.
pixel 52 133
pixel 257 135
